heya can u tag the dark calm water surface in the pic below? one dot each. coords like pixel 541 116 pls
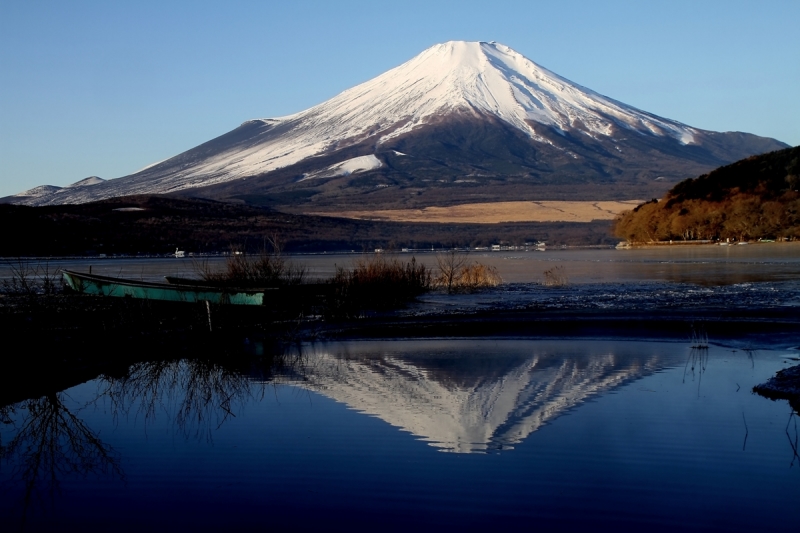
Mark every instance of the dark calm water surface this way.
pixel 425 435
pixel 471 435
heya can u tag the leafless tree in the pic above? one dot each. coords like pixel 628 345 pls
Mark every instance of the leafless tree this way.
pixel 450 265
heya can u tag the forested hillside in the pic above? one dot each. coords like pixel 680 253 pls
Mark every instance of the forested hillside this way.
pixel 755 198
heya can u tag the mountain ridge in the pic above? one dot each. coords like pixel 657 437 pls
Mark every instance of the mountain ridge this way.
pixel 501 115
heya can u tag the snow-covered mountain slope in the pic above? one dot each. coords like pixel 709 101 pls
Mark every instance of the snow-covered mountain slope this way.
pixel 552 122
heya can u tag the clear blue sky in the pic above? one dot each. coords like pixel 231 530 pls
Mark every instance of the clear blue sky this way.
pixel 105 88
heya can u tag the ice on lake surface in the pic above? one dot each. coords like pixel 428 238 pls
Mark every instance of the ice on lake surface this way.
pixel 413 434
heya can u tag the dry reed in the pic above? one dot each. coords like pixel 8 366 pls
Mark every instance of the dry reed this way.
pixel 265 269
pixel 555 277
pixel 379 283
pixel 456 275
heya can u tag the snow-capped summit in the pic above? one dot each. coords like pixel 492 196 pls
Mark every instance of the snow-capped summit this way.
pixel 458 108
pixel 476 77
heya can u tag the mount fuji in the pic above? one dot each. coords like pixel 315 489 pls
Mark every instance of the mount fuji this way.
pixel 460 122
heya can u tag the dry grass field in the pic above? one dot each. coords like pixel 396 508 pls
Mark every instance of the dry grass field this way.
pixel 495 212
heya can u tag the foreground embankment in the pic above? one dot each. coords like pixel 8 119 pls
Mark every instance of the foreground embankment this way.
pixel 59 340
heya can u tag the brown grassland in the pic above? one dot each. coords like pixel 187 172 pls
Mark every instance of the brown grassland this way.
pixel 160 224
pixel 496 212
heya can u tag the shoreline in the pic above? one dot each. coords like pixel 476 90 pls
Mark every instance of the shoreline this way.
pixel 69 339
pixel 773 327
pixel 784 385
pixel 661 244
pixel 409 251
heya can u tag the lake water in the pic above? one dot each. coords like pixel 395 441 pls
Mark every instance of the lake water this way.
pixel 444 434
pixel 702 265
pixel 426 435
pixel 705 278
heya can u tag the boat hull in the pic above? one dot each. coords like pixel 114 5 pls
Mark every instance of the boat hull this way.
pixel 117 287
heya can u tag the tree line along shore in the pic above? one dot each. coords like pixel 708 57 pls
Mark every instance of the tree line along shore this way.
pixel 152 225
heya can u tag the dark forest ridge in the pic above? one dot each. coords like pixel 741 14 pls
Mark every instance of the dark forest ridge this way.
pixel 755 198
pixel 158 224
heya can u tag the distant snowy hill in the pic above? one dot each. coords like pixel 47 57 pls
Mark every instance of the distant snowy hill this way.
pixel 47 193
pixel 461 120
pixel 40 191
pixel 91 180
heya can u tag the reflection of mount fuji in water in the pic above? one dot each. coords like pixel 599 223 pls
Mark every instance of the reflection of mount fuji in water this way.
pixel 468 396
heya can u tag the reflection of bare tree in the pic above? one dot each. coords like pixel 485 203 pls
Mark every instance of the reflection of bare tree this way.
pixel 751 356
pixel 696 365
pixel 793 443
pixel 43 442
pixel 49 443
pixel 201 395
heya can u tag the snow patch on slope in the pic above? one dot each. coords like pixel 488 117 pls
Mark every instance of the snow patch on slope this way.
pixel 345 168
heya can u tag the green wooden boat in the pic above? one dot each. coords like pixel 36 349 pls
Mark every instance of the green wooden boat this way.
pixel 281 292
pixel 108 286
